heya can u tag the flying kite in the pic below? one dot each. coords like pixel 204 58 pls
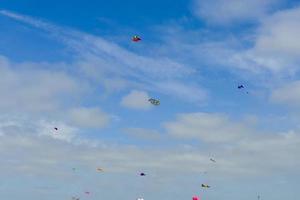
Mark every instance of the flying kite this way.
pixel 136 38
pixel 212 160
pixel 154 101
pixel 195 198
pixel 99 169
pixel 205 186
pixel 87 193
pixel 241 87
pixel 55 128
pixel 142 174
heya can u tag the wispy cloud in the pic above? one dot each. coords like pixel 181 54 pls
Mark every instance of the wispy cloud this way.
pixel 98 59
pixel 224 12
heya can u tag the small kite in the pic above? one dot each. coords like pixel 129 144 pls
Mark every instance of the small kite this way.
pixel 142 174
pixel 99 169
pixel 241 87
pixel 87 193
pixel 55 128
pixel 136 38
pixel 154 101
pixel 195 198
pixel 212 160
pixel 205 186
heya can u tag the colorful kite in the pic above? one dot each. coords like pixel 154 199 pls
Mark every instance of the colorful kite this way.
pixel 196 198
pixel 154 101
pixel 136 38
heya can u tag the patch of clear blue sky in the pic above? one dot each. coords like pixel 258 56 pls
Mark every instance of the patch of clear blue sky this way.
pixel 20 43
pixel 86 15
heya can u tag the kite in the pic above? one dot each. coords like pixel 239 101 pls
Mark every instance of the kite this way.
pixel 241 87
pixel 212 160
pixel 205 186
pixel 87 193
pixel 195 198
pixel 55 128
pixel 99 169
pixel 154 101
pixel 136 38
pixel 142 174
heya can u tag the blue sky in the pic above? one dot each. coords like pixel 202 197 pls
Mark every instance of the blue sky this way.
pixel 72 65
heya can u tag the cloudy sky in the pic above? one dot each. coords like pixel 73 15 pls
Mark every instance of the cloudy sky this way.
pixel 72 65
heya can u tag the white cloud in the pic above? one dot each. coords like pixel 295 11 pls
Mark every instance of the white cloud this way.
pixel 208 127
pixel 136 100
pixel 42 160
pixel 233 11
pixel 276 46
pixel 279 33
pixel 33 89
pixel 278 150
pixel 238 147
pixel 246 156
pixel 89 117
pixel 288 94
